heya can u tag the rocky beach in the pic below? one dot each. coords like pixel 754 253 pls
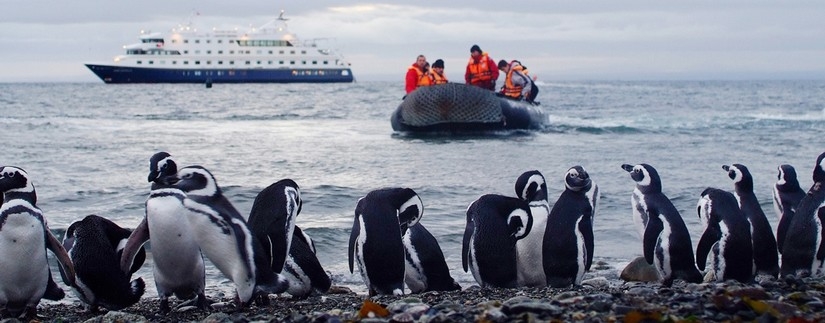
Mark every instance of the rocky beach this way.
pixel 600 298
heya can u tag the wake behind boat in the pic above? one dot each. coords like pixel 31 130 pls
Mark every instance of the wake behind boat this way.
pixel 268 54
pixel 456 107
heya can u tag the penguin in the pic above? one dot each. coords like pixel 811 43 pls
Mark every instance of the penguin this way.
pixel 665 238
pixel 765 254
pixel 567 251
pixel 272 220
pixel 302 269
pixel 532 188
pixel 494 224
pixel 375 244
pixel 25 276
pixel 786 196
pixel 92 243
pixel 223 235
pixel 803 248
pixel 179 268
pixel 727 233
pixel 426 270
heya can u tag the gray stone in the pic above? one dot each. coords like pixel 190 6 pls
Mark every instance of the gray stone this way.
pixel 219 317
pixel 117 317
pixel 639 270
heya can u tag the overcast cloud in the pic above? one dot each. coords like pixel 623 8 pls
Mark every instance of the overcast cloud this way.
pixel 44 41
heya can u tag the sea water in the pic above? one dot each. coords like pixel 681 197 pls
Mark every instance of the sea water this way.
pixel 86 147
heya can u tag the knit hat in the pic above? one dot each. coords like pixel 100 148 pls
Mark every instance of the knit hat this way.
pixel 438 63
pixel 501 64
pixel 475 48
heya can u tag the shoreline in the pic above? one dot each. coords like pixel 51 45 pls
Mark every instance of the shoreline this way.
pixel 597 300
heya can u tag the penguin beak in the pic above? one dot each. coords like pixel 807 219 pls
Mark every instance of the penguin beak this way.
pixel 153 175
pixel 627 167
pixel 726 168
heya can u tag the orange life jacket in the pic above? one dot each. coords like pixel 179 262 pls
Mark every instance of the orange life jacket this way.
pixel 510 89
pixel 423 78
pixel 436 78
pixel 480 71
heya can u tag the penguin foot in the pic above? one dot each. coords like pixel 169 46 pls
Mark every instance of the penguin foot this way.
pixel 53 292
pixel 164 306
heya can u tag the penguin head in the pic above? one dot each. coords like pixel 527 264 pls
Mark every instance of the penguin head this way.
pixel 645 176
pixel 14 179
pixel 787 176
pixel 819 170
pixel 194 180
pixel 577 179
pixel 520 221
pixel 705 207
pixel 411 210
pixel 740 175
pixel 161 165
pixel 531 186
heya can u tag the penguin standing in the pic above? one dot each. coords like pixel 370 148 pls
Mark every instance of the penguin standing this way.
pixel 25 276
pixel 568 239
pixel 426 270
pixel 302 268
pixel 665 238
pixel 765 255
pixel 727 233
pixel 178 263
pixel 494 224
pixel 92 244
pixel 786 197
pixel 288 250
pixel 223 235
pixel 803 249
pixel 375 244
pixel 532 188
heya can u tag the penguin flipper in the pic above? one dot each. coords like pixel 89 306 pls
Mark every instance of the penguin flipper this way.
pixel 465 244
pixel 134 245
pixel 586 228
pixel 353 237
pixel 66 266
pixel 820 253
pixel 706 242
pixel 782 228
pixel 652 230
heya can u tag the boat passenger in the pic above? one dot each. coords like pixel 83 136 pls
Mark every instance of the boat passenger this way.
pixel 415 73
pixel 517 85
pixel 437 73
pixel 481 70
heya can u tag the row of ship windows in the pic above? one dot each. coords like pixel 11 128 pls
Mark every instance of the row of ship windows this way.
pixel 231 41
pixel 233 62
pixel 294 73
pixel 208 52
pixel 245 52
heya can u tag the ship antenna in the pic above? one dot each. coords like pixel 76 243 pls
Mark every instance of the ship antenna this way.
pixel 281 16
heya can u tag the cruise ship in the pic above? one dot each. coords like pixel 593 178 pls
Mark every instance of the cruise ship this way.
pixel 267 54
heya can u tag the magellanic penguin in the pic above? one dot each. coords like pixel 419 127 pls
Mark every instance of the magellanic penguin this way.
pixel 532 188
pixel 665 238
pixel 568 239
pixel 92 244
pixel 765 254
pixel 302 269
pixel 426 269
pixel 381 219
pixel 25 276
pixel 727 237
pixel 803 250
pixel 786 197
pixel 178 263
pixel 494 224
pixel 224 237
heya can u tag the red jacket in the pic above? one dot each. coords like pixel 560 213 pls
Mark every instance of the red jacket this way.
pixel 413 75
pixel 491 65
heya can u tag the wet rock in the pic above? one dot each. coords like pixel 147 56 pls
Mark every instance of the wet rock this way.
pixel 598 282
pixel 639 270
pixel 117 317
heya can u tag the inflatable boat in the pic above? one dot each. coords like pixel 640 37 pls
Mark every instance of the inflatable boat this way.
pixel 455 107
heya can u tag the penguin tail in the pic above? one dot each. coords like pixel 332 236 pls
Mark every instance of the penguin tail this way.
pixel 278 285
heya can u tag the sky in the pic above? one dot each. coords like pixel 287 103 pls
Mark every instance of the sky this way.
pixel 49 40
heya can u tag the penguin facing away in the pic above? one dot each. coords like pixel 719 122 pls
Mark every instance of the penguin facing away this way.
pixel 786 197
pixel 494 224
pixel 532 188
pixel 727 234
pixel 665 238
pixel 24 237
pixel 765 254
pixel 178 268
pixel 426 270
pixel 803 250
pixel 302 269
pixel 224 237
pixel 272 220
pixel 375 244
pixel 92 244
pixel 568 239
